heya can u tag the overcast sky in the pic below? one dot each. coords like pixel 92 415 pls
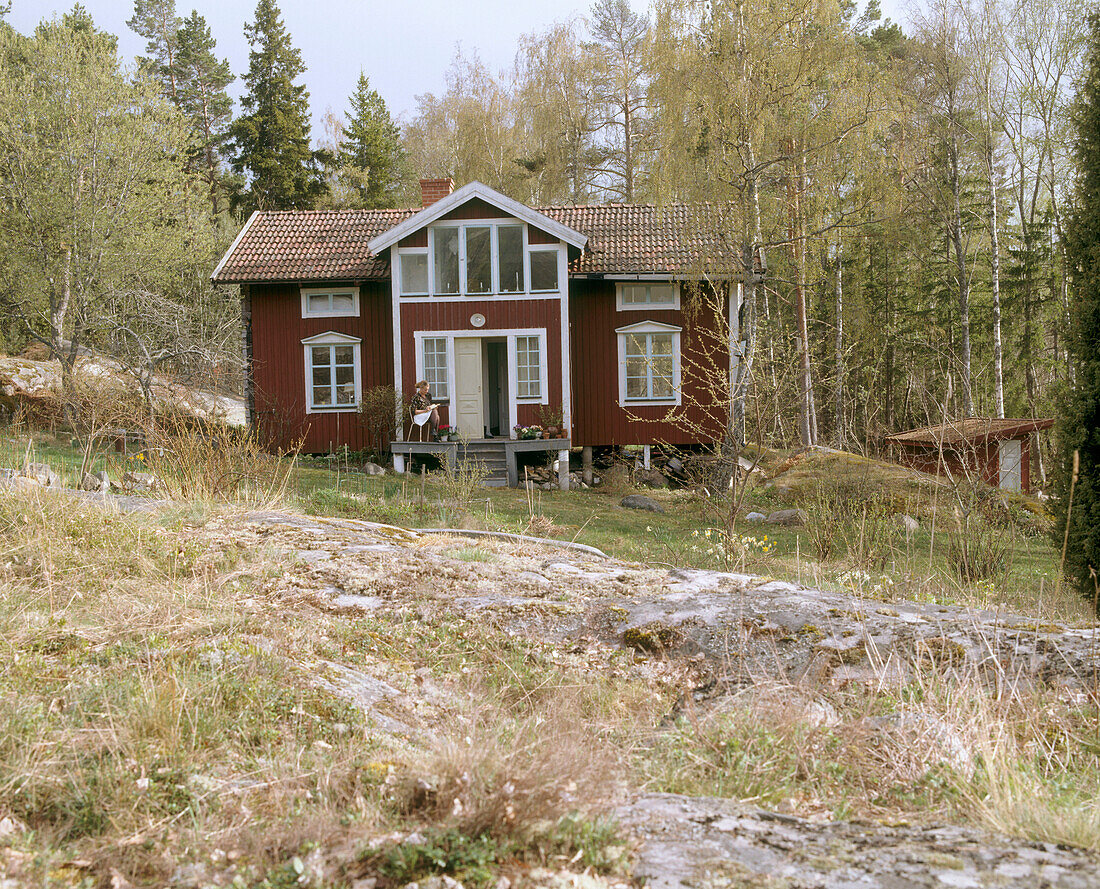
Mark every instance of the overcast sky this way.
pixel 404 46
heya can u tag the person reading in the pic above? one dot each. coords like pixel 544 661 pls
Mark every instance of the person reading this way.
pixel 423 411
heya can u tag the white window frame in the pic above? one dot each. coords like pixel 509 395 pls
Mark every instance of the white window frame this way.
pixel 643 328
pixel 540 248
pixel 330 292
pixel 541 340
pixel 332 338
pixel 422 371
pixel 463 294
pixel 412 251
pixel 647 306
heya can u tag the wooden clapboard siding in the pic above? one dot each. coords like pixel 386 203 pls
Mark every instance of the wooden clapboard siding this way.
pixel 453 316
pixel 278 329
pixel 598 419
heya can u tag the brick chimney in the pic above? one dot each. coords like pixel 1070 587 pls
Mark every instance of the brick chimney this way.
pixel 432 190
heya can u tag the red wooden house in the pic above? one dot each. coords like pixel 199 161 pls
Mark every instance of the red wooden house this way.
pixel 997 451
pixel 510 312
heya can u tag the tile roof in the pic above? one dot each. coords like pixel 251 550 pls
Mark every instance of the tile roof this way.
pixel 320 245
pixel 972 429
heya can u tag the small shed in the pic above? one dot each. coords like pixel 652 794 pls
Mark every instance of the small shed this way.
pixel 999 450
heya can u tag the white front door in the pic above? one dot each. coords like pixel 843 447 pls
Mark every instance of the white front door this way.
pixel 1010 476
pixel 469 401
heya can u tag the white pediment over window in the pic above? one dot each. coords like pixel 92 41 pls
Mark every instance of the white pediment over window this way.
pixel 649 327
pixel 332 338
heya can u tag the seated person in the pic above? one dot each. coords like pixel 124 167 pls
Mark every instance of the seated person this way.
pixel 423 411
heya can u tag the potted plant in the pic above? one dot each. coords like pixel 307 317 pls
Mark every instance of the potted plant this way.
pixel 550 417
pixel 528 433
pixel 453 434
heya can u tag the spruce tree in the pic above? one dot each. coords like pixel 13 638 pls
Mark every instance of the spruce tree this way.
pixel 271 138
pixel 201 95
pixel 370 151
pixel 1079 420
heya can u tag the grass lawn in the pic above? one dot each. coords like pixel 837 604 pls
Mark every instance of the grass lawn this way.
pixel 917 566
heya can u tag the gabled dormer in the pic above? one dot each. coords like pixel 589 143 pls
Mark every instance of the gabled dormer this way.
pixel 476 243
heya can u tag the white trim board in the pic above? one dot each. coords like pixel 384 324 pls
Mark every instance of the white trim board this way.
pixel 233 246
pixel 491 196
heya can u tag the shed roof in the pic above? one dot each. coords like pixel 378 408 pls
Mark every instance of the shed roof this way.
pixel 623 239
pixel 972 429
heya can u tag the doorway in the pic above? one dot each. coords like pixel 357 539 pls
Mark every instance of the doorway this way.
pixel 496 387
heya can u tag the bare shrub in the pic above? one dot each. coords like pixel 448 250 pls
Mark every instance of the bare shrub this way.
pixel 378 412
pixel 978 550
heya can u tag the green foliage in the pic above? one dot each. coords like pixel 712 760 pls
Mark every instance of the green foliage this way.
pixel 370 153
pixel 1079 423
pixel 157 22
pixel 271 139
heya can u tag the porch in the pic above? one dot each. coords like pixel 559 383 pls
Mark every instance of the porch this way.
pixel 497 455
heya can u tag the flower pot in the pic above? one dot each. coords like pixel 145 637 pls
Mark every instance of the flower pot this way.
pixel 554 431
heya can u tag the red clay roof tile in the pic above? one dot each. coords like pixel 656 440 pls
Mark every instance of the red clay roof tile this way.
pixel 623 239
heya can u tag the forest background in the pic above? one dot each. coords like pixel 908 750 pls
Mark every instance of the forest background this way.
pixel 897 196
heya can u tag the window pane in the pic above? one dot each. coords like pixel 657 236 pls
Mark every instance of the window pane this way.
pixel 635 346
pixel 318 302
pixel 320 356
pixel 344 354
pixel 544 270
pixel 662 385
pixel 662 343
pixel 342 302
pixel 322 396
pixel 510 258
pixel 633 294
pixel 435 366
pixel 528 365
pixel 321 376
pixel 345 375
pixel 479 265
pixel 446 260
pixel 414 273
pixel 661 294
pixel 635 387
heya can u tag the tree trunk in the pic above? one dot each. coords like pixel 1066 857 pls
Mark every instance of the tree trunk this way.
pixel 961 272
pixel 838 397
pixel 995 270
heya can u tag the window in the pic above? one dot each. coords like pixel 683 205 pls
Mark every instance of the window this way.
pixel 644 295
pixel 479 259
pixel 434 365
pixel 528 367
pixel 649 363
pixel 332 372
pixel 544 270
pixel 510 258
pixel 330 303
pixel 446 260
pixel 414 273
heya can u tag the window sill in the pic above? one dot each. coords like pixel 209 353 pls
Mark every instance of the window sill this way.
pixel 342 409
pixel 644 401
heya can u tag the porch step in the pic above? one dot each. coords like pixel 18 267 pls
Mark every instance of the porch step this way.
pixel 493 458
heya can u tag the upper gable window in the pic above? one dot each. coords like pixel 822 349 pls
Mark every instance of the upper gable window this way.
pixel 477 258
pixel 646 295
pixel 544 270
pixel 328 302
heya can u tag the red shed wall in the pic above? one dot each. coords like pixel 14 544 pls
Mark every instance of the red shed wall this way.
pixel 598 419
pixel 454 316
pixel 983 457
pixel 278 329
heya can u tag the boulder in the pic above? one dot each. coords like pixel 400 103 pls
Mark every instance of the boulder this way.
pixel 791 518
pixel 756 518
pixel 373 469
pixel 95 481
pixel 909 523
pixel 640 501
pixel 140 481
pixel 42 474
pixel 651 478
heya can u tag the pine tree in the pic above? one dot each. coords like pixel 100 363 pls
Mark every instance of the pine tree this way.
pixel 157 22
pixel 201 95
pixel 272 137
pixel 370 151
pixel 1079 419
